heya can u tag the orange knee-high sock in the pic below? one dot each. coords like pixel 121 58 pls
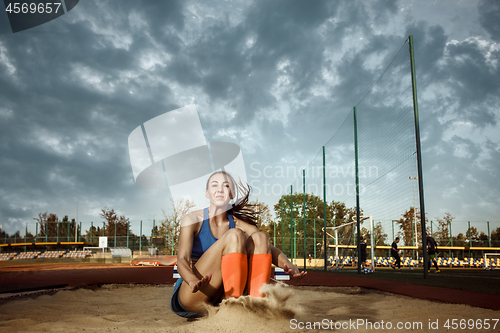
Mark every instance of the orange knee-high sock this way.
pixel 234 269
pixel 259 273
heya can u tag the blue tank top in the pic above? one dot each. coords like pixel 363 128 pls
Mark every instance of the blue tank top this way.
pixel 204 239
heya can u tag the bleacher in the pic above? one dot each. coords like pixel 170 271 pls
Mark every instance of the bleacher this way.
pixel 52 254
pixel 77 254
pixel 26 255
pixel 410 262
pixel 7 256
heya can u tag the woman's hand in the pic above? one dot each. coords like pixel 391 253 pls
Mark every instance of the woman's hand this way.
pixel 293 271
pixel 200 284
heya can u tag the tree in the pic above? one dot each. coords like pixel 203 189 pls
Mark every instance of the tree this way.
pixel 495 234
pixel 264 218
pixel 336 214
pixel 495 237
pixel 169 227
pixel 484 239
pixel 378 234
pixel 48 225
pixel 472 234
pixel 407 227
pixel 115 225
pixel 459 240
pixel 442 235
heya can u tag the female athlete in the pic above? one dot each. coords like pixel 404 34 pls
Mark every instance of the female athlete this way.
pixel 221 251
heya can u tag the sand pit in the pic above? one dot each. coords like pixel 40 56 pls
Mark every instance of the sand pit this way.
pixel 144 308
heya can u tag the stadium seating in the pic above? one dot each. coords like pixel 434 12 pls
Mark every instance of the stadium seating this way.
pixel 77 254
pixel 7 256
pixel 52 254
pixel 26 255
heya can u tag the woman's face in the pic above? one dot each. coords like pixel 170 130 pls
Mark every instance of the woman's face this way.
pixel 219 190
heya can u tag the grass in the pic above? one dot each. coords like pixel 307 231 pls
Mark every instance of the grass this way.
pixel 477 280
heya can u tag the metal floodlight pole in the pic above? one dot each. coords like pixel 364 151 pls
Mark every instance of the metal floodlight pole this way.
pixel 91 232
pixel 324 209
pixel 357 189
pixel 419 155
pixel 304 212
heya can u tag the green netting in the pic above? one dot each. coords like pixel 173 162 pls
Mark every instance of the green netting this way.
pixel 387 146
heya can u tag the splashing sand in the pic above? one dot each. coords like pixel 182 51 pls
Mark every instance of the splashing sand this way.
pixel 276 304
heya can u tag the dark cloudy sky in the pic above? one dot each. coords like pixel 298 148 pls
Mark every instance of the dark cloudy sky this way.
pixel 275 77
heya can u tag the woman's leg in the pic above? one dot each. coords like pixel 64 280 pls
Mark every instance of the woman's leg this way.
pixel 259 262
pixel 233 241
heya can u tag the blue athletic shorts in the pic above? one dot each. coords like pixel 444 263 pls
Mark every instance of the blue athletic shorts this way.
pixel 176 306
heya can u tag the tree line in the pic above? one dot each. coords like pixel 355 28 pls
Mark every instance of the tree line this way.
pixel 286 235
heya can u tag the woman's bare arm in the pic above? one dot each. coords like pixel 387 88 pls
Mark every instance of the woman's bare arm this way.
pixel 189 228
pixel 280 260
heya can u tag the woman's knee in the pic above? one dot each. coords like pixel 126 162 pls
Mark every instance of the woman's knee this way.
pixel 258 242
pixel 235 240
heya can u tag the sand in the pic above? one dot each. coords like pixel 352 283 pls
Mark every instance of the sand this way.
pixel 145 308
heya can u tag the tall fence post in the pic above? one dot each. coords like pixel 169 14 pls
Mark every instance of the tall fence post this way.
pixel 489 234
pixel 470 238
pixel 451 240
pixel 419 156
pixel 357 189
pixel 291 223
pixel 324 210
pixel 172 250
pixel 304 212
pixel 282 227
pixel 274 233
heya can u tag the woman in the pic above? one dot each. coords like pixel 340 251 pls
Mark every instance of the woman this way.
pixel 222 252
